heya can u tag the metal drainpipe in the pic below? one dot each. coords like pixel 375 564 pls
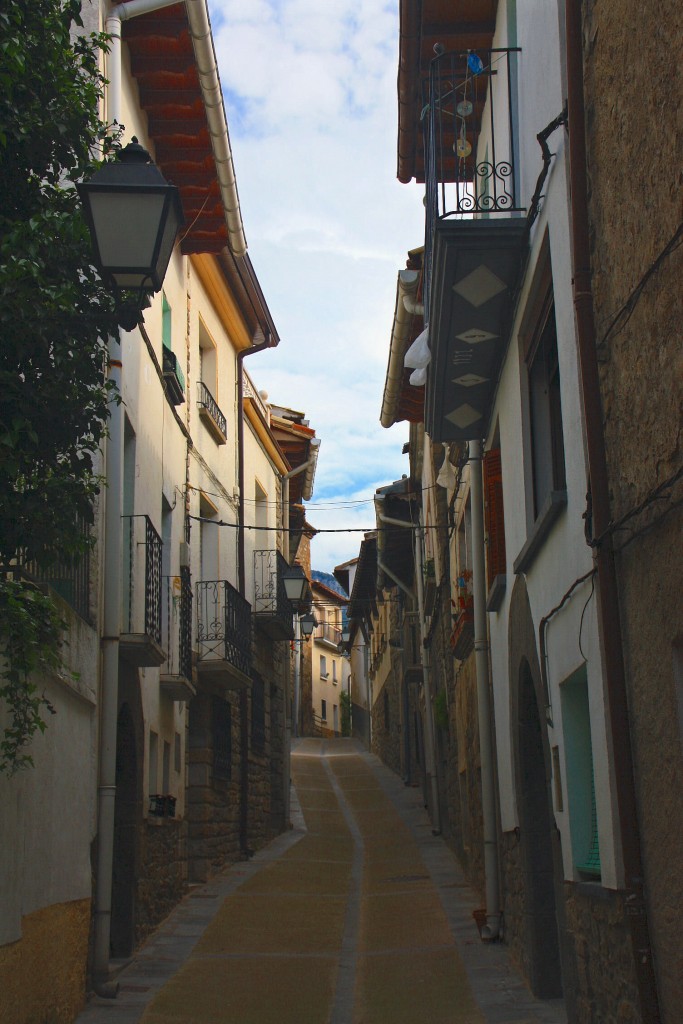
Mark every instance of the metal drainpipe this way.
pixel 611 639
pixel 111 604
pixel 427 683
pixel 241 574
pixel 491 929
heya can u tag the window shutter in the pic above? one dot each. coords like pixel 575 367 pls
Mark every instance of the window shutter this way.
pixel 494 515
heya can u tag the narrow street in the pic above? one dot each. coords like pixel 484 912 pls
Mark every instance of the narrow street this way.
pixel 357 916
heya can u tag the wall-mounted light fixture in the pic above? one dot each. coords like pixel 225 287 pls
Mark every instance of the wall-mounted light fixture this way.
pixel 134 216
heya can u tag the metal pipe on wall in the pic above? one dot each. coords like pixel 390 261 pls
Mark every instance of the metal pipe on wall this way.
pixel 491 929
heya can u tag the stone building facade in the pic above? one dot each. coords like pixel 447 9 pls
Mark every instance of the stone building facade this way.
pixel 634 208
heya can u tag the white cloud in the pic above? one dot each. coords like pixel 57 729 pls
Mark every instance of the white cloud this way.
pixel 310 96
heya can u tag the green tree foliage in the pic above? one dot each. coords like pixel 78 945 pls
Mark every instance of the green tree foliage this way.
pixel 54 313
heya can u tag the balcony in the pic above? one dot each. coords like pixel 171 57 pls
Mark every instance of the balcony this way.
pixel 174 377
pixel 223 637
pixel 210 415
pixel 328 635
pixel 175 674
pixel 68 577
pixel 272 611
pixel 475 236
pixel 140 642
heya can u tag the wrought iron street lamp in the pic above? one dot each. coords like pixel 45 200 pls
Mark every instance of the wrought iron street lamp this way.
pixel 296 585
pixel 307 624
pixel 134 216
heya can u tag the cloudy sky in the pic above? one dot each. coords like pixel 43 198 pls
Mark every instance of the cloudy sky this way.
pixel 310 97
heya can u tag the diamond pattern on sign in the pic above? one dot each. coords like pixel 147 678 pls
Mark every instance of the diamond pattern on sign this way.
pixel 469 380
pixel 475 335
pixel 480 286
pixel 463 416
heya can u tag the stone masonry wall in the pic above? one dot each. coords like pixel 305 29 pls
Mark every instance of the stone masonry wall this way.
pixel 464 775
pixel 162 881
pixel 212 803
pixel 634 128
pixel 605 981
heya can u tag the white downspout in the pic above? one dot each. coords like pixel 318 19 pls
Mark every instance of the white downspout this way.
pixel 491 929
pixel 286 477
pixel 111 611
pixel 200 32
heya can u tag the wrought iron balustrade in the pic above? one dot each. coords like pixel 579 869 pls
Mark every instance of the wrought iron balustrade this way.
pixel 324 631
pixel 223 625
pixel 174 376
pixel 468 122
pixel 177 627
pixel 68 577
pixel 273 611
pixel 210 412
pixel 141 613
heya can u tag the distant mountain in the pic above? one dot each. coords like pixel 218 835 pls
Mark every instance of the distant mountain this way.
pixel 328 580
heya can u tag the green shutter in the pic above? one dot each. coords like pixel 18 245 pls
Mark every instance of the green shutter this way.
pixel 165 322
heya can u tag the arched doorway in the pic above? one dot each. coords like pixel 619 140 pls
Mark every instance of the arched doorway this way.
pixel 536 834
pixel 125 837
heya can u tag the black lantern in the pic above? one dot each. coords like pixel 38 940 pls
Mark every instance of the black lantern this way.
pixel 307 624
pixel 296 585
pixel 134 216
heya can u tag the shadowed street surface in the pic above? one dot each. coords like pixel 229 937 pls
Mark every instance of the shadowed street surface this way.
pixel 357 916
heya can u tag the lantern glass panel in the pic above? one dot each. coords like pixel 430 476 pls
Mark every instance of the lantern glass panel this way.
pixel 126 228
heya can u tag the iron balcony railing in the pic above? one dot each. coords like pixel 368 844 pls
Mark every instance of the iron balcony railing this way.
pixel 174 376
pixel 223 625
pixel 468 119
pixel 209 406
pixel 271 606
pixel 141 613
pixel 68 577
pixel 324 631
pixel 177 625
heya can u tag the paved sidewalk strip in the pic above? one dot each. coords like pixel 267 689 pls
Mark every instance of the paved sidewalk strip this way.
pixel 357 915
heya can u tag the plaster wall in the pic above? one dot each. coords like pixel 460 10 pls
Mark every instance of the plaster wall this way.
pixel 47 813
pixel 564 555
pixel 259 470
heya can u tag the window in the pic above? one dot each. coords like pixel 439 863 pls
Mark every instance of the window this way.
pixel 583 821
pixel 177 763
pixel 260 516
pixel 166 768
pixel 334 671
pixel 545 410
pixel 222 739
pixel 323 667
pixel 258 714
pixel 165 322
pixel 153 768
pixel 207 388
pixel 208 539
pixel 323 710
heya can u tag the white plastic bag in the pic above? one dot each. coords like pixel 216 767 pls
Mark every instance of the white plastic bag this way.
pixel 418 376
pixel 418 355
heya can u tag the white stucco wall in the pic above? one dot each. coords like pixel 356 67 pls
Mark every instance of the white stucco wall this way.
pixel 47 812
pixel 564 556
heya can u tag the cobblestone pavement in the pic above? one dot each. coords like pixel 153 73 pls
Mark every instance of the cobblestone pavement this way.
pixel 358 915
